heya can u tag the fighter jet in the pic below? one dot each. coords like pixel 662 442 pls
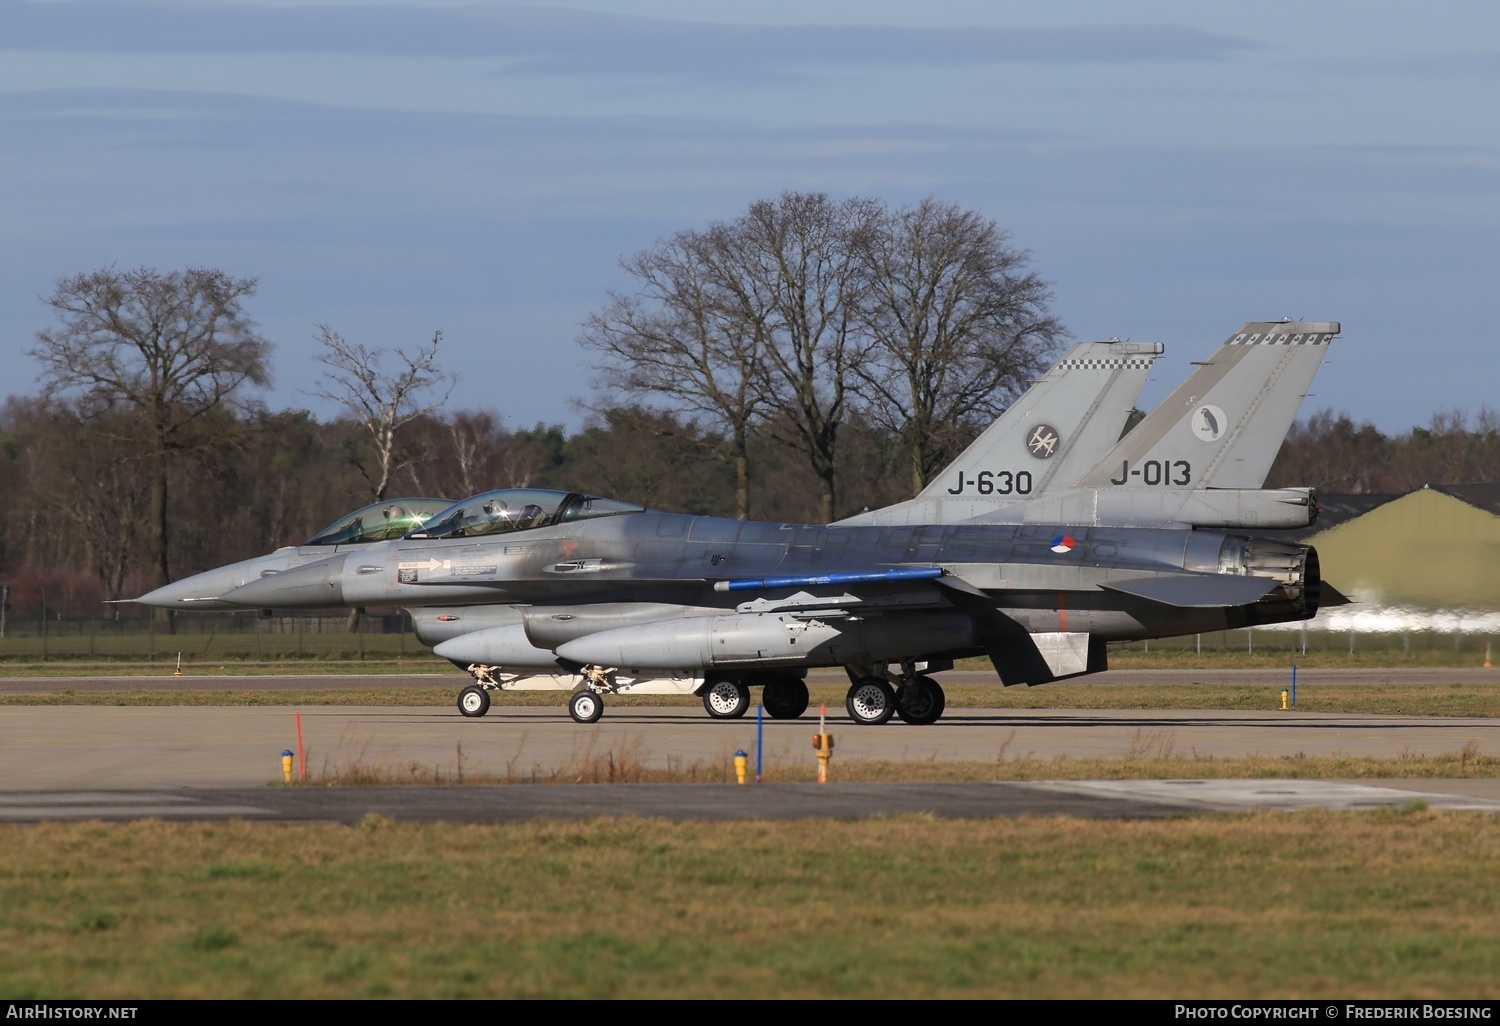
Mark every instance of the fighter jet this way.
pixel 379 521
pixel 598 596
pixel 540 589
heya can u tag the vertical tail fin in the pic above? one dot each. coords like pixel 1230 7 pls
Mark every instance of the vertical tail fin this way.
pixel 1063 424
pixel 1224 425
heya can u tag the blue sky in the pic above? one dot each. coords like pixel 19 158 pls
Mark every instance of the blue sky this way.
pixel 1175 169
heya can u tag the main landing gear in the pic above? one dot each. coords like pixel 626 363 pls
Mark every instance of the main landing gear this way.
pixel 921 701
pixel 726 699
pixel 917 699
pixel 783 696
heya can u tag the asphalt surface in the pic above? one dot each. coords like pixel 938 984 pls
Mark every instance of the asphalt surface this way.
pixel 110 762
pixel 1272 678
pixel 207 746
pixel 1098 799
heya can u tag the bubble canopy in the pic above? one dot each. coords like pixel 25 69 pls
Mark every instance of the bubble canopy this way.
pixel 380 521
pixel 518 509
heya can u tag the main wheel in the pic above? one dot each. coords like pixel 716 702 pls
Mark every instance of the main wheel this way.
pixel 921 702
pixel 585 706
pixel 870 701
pixel 784 699
pixel 473 701
pixel 726 699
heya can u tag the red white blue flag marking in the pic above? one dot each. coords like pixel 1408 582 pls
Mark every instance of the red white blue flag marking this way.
pixel 1062 543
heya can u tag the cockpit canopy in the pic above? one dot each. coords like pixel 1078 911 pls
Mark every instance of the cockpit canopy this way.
pixel 518 509
pixel 380 521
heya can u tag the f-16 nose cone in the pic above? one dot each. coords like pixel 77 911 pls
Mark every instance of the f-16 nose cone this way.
pixel 201 591
pixel 311 586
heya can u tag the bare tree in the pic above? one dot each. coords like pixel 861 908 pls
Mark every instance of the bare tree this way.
pixel 174 351
pixel 804 309
pixel 748 325
pixel 381 403
pixel 799 258
pixel 689 336
pixel 960 328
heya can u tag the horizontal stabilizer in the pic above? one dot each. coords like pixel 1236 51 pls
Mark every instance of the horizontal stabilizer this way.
pixel 1197 590
pixel 1328 596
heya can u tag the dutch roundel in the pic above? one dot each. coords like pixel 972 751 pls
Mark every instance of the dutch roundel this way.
pixel 1062 543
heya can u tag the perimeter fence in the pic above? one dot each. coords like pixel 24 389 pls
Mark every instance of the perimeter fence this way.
pixel 204 637
pixel 253 637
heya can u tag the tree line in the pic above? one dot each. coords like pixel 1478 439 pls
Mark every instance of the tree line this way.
pixel 806 360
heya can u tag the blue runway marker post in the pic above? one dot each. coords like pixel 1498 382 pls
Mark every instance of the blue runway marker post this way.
pixel 1294 684
pixel 760 738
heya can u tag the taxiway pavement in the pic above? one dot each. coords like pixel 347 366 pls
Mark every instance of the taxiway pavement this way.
pixel 200 761
pixel 45 747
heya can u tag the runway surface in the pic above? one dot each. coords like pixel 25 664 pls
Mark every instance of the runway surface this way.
pixel 1272 678
pixel 208 762
pixel 1101 799
pixel 207 746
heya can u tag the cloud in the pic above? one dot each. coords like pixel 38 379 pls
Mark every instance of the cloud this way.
pixel 563 41
pixel 1484 66
pixel 503 229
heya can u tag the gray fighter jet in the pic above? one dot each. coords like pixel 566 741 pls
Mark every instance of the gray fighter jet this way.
pixel 379 521
pixel 543 589
pixel 532 588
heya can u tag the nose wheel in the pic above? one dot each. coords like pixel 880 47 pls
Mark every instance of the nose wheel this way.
pixel 473 701
pixel 585 706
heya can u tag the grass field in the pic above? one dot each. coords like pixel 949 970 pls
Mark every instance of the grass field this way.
pixel 1401 903
pixel 1388 904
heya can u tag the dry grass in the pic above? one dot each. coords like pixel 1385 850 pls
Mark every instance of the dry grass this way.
pixel 1390 904
pixel 584 766
pixel 1151 755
